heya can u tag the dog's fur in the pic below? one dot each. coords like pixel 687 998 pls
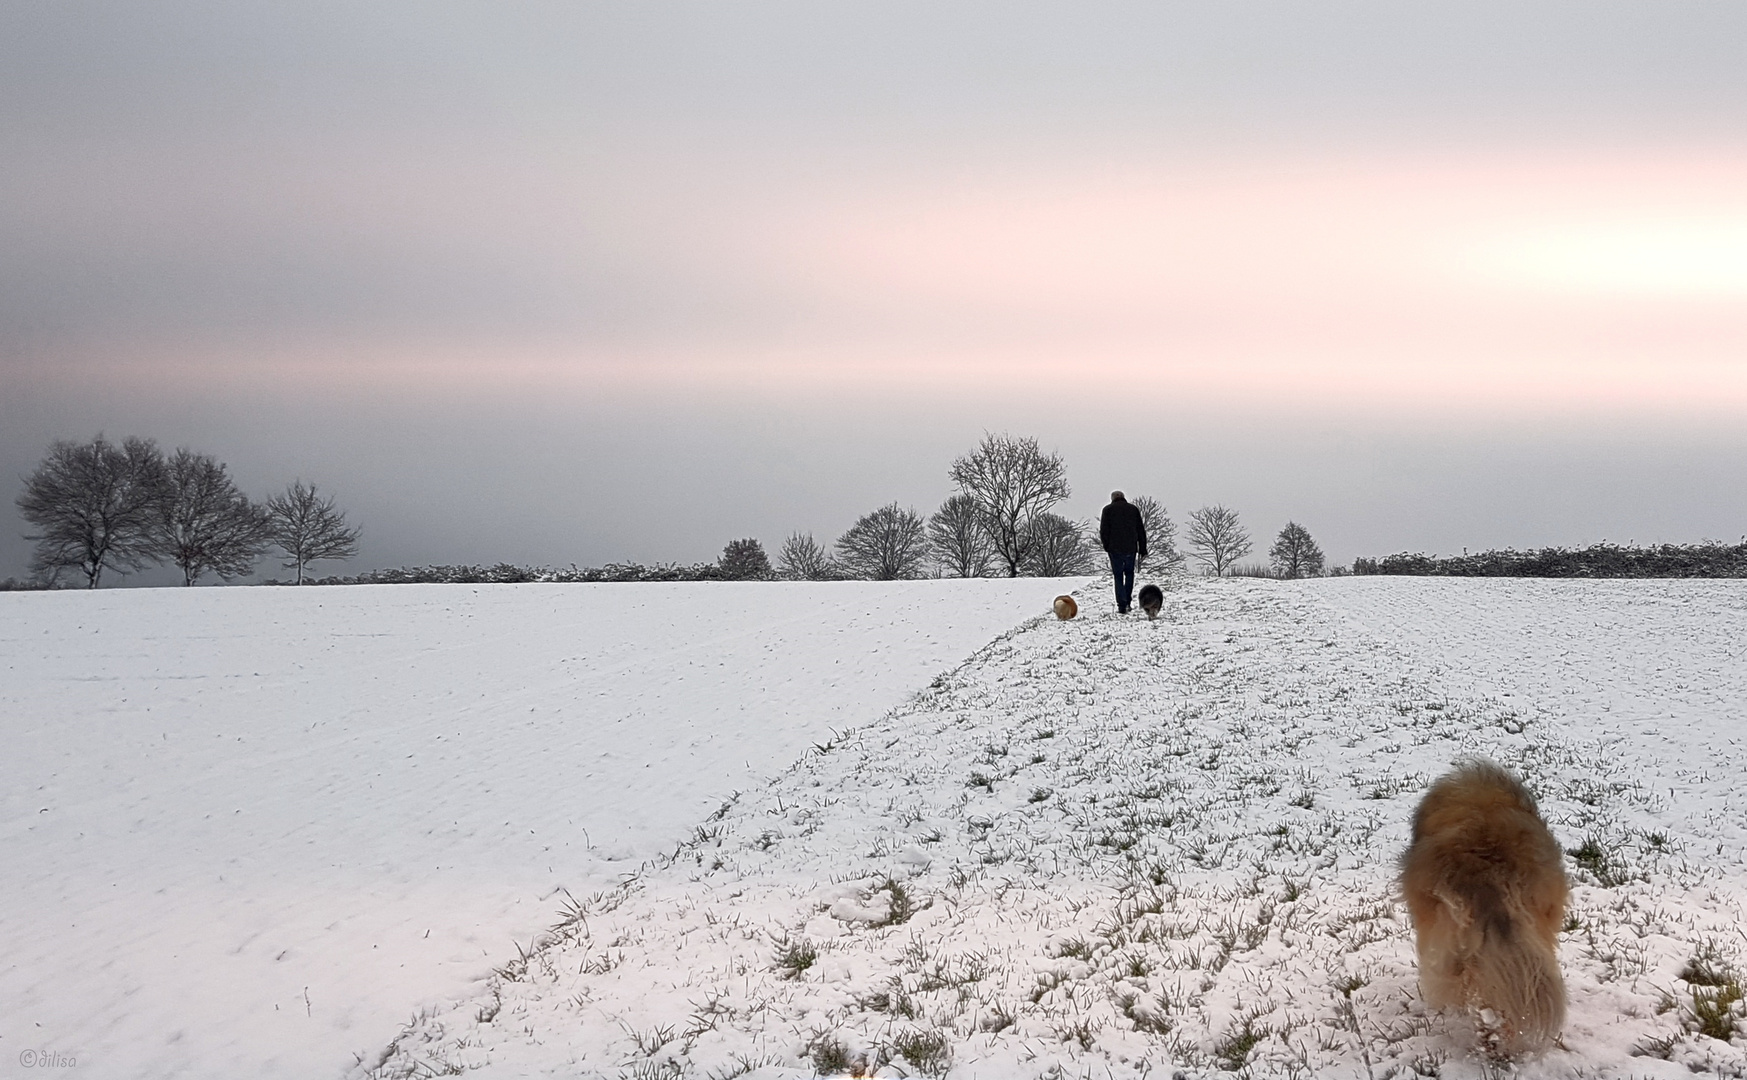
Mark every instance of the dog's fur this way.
pixel 1485 884
pixel 1065 608
pixel 1151 600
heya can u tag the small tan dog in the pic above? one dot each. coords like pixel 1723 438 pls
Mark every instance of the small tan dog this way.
pixel 1485 884
pixel 1065 608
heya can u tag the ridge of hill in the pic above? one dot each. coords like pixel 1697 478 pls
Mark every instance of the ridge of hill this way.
pixel 1116 848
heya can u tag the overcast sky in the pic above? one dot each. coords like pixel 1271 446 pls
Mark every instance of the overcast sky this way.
pixel 578 283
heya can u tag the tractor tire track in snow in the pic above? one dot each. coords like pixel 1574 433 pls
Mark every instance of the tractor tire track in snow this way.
pixel 1113 848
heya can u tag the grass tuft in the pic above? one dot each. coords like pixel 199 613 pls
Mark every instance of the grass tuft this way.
pixel 1716 1011
pixel 1718 1003
pixel 741 1065
pixel 927 1051
pixel 893 1000
pixel 829 1056
pixel 1233 1049
pixel 1595 858
pixel 1661 1048
pixel 649 1043
pixel 1709 967
pixel 902 904
pixel 999 1018
pixel 794 956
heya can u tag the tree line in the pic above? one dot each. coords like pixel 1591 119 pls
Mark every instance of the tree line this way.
pixel 101 507
pixel 1001 521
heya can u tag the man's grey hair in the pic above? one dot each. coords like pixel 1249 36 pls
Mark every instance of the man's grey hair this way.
pixel 1116 496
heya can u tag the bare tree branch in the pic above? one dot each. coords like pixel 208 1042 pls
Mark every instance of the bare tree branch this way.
pixel 885 545
pixel 204 523
pixel 1161 535
pixel 958 539
pixel 1295 554
pixel 1012 481
pixel 801 558
pixel 1216 538
pixel 309 528
pixel 94 506
pixel 1056 547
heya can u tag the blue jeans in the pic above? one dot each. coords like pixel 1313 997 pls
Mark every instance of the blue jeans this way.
pixel 1122 566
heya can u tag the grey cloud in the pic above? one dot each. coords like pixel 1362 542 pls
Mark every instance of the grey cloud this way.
pixel 558 69
pixel 272 173
pixel 482 167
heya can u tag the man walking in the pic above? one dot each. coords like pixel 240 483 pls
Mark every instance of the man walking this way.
pixel 1123 534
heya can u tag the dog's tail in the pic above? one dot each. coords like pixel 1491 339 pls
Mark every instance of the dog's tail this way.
pixel 1512 968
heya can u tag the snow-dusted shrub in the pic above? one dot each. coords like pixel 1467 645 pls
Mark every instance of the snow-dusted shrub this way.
pixel 510 573
pixel 745 560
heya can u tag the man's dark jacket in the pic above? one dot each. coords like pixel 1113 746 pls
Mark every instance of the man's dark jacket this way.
pixel 1121 530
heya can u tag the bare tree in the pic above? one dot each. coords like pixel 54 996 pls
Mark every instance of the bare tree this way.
pixel 309 528
pixel 958 539
pixel 885 545
pixel 1161 535
pixel 204 523
pixel 1012 481
pixel 1295 554
pixel 94 506
pixel 745 560
pixel 1056 547
pixel 801 558
pixel 1216 538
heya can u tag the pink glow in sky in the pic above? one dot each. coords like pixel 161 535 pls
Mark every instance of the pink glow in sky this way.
pixel 1491 281
pixel 1487 279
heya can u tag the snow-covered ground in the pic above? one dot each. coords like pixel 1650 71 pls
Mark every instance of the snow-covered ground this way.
pixel 1109 848
pixel 247 832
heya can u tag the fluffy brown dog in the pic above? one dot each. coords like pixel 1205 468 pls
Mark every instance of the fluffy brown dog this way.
pixel 1065 608
pixel 1485 883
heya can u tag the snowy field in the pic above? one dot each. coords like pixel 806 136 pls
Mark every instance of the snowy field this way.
pixel 1109 848
pixel 248 832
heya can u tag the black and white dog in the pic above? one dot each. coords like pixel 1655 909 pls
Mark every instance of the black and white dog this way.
pixel 1151 600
